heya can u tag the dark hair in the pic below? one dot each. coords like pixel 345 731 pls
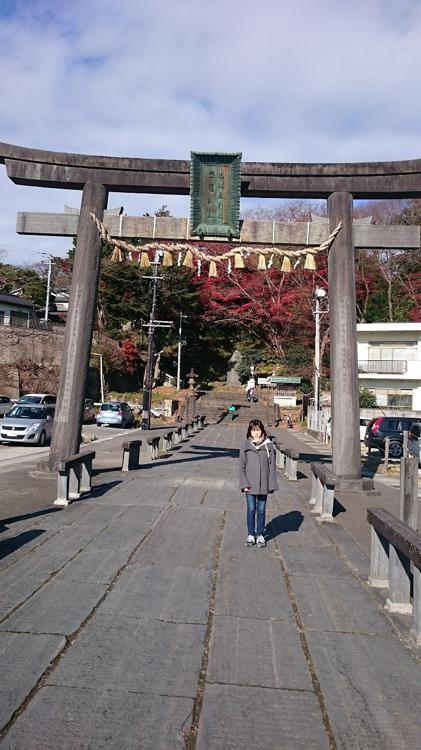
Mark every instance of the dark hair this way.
pixel 256 423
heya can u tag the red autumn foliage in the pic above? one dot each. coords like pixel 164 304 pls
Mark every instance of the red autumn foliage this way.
pixel 130 355
pixel 273 306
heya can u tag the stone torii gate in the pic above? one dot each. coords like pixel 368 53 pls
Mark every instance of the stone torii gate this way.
pixel 96 176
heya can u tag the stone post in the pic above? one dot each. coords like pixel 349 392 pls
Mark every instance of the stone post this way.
pixel 80 320
pixel 346 452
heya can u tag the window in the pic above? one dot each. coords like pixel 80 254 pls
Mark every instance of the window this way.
pixel 392 350
pixel 402 399
pixel 394 398
pixel 2 316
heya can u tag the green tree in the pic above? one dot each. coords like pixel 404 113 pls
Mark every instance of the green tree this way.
pixel 33 286
pixel 367 399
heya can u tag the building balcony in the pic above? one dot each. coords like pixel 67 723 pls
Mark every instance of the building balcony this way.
pixel 383 366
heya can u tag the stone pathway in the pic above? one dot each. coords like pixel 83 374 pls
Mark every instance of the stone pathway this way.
pixel 138 619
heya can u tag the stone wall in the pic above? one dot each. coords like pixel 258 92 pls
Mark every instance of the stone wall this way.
pixel 40 347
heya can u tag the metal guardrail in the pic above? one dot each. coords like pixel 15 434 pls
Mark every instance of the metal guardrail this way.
pixel 383 366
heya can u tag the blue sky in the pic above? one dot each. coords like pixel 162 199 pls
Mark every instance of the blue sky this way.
pixel 280 80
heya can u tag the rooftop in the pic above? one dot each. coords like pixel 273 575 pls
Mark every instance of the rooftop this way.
pixel 13 299
pixel 389 326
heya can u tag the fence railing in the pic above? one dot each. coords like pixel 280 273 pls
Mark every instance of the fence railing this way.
pixel 22 322
pixel 383 366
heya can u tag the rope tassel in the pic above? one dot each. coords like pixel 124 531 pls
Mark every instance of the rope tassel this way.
pixel 261 266
pixel 310 264
pixel 144 260
pixel 188 260
pixel 213 271
pixel 117 256
pixel 286 265
pixel 167 259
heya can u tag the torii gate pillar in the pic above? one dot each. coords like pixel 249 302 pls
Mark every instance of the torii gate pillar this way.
pixel 346 451
pixel 80 320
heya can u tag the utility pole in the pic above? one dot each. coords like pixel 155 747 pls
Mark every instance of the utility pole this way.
pixel 101 374
pixel 180 343
pixel 319 295
pixel 147 386
pixel 50 262
pixel 47 301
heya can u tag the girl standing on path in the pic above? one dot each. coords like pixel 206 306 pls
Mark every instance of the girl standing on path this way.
pixel 257 479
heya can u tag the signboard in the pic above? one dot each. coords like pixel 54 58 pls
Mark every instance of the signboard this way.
pixel 215 188
pixel 289 381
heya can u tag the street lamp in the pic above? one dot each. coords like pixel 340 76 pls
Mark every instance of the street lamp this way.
pixel 320 299
pixel 101 374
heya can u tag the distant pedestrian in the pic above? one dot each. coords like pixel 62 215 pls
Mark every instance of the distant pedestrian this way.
pixel 250 389
pixel 257 479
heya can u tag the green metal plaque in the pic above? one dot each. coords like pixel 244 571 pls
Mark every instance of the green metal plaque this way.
pixel 286 380
pixel 215 187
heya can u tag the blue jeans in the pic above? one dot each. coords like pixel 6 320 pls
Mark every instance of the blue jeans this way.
pixel 256 505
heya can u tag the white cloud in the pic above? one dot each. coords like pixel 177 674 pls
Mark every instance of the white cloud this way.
pixel 279 80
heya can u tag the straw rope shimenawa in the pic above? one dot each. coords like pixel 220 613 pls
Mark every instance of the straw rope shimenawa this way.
pixel 192 252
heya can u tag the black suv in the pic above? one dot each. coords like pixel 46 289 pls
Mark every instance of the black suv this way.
pixel 392 427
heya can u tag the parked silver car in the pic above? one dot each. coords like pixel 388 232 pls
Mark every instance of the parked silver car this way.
pixel 116 413
pixel 5 405
pixel 27 423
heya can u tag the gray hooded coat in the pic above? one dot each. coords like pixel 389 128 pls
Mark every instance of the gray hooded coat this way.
pixel 258 467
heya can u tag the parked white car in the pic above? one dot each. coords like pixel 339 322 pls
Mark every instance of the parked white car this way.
pixel 27 423
pixel 38 398
pixel 6 404
pixel 363 427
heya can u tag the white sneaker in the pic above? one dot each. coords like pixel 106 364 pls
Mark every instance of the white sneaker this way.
pixel 260 540
pixel 250 541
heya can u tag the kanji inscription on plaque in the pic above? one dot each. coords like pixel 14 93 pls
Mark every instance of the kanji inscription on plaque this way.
pixel 215 187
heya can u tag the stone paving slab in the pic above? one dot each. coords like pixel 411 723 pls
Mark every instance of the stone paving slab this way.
pixel 23 658
pixel 47 518
pixel 250 582
pixel 352 551
pixel 341 604
pixel 265 653
pixel 260 719
pixel 128 654
pixel 15 546
pixel 148 494
pixel 128 531
pixel 372 689
pixel 186 537
pixel 70 540
pixel 189 496
pixel 79 719
pixel 158 592
pixel 313 562
pixel 95 565
pixel 292 528
pixel 17 582
pixel 228 496
pixel 58 607
pixel 6 607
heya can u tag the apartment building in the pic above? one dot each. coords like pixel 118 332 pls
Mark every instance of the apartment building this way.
pixel 389 363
